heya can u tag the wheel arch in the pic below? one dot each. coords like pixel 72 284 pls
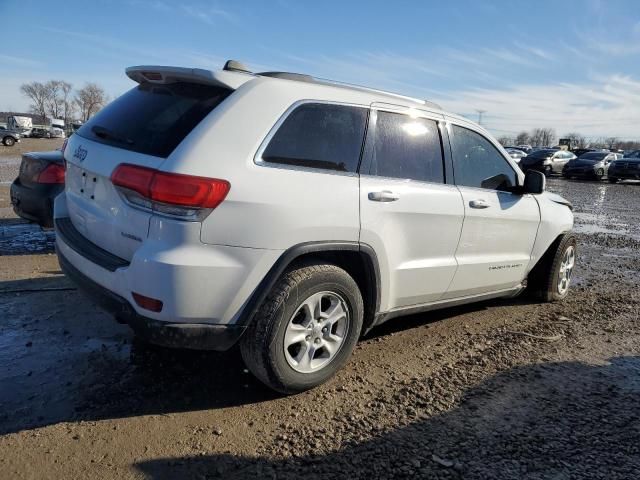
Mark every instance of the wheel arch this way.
pixel 357 259
pixel 549 252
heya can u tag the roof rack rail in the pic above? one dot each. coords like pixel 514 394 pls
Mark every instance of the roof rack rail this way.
pixel 300 77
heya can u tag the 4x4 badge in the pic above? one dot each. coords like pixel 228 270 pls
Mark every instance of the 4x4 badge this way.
pixel 80 153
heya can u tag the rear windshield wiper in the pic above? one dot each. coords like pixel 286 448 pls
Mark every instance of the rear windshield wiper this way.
pixel 107 134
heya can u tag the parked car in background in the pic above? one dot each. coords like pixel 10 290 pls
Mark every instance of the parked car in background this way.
pixel 634 154
pixel 626 168
pixel 285 239
pixel 581 151
pixel 547 161
pixel 40 180
pixel 9 137
pixel 515 153
pixel 590 165
pixel 525 148
pixel 40 133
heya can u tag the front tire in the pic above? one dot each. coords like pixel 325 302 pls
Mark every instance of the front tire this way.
pixel 548 171
pixel 599 174
pixel 550 279
pixel 305 330
pixel 8 141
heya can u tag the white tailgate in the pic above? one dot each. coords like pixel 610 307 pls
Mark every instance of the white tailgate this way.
pixel 95 207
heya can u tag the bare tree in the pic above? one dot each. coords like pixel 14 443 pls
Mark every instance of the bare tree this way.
pixel 59 102
pixel 54 100
pixel 611 142
pixel 38 93
pixel 523 138
pixel 543 136
pixel 505 141
pixel 89 99
pixel 629 145
pixel 577 140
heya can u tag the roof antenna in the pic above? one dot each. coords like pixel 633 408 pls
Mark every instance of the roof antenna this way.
pixel 235 66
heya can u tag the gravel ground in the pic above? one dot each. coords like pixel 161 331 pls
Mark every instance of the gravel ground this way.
pixel 504 389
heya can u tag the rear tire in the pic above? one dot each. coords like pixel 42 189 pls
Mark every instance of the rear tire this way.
pixel 291 344
pixel 550 279
pixel 8 141
pixel 613 180
pixel 547 171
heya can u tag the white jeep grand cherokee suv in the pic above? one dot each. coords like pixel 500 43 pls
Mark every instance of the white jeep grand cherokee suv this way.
pixel 292 215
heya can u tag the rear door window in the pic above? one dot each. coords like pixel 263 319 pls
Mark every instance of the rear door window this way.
pixel 407 147
pixel 319 135
pixel 153 119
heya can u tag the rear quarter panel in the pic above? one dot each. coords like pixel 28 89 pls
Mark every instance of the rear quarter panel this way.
pixel 267 206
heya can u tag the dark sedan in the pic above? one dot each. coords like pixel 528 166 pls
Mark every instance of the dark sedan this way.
pixel 590 165
pixel 624 169
pixel 40 180
pixel 546 160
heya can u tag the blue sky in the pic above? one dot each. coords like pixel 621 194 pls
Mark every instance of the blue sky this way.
pixel 571 65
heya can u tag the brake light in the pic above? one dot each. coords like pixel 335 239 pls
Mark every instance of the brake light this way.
pixel 173 194
pixel 53 173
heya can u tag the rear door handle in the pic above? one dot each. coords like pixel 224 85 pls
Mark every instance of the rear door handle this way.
pixel 383 196
pixel 479 204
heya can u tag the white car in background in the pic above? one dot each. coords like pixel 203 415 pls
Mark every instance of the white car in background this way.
pixel 293 215
pixel 516 154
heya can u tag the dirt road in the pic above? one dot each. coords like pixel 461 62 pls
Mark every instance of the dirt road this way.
pixel 510 389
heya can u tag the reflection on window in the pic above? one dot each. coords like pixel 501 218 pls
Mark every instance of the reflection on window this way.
pixel 407 147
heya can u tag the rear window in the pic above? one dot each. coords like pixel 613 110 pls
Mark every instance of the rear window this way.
pixel 593 156
pixel 153 119
pixel 542 153
pixel 319 135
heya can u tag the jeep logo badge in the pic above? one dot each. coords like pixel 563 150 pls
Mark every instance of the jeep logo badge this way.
pixel 80 154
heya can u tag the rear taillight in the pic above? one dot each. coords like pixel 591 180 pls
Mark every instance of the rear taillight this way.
pixel 53 173
pixel 177 195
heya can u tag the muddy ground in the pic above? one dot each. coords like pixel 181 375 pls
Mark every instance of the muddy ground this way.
pixel 504 389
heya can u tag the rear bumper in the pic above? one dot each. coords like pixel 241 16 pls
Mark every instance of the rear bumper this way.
pixel 34 204
pixel 174 335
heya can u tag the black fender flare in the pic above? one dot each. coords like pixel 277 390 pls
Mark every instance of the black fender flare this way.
pixel 290 255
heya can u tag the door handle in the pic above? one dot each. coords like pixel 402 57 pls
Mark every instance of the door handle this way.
pixel 383 196
pixel 479 204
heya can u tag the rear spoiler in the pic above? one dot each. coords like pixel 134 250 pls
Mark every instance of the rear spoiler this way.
pixel 162 75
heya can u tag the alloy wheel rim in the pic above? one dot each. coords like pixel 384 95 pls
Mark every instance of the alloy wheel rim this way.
pixel 316 332
pixel 566 269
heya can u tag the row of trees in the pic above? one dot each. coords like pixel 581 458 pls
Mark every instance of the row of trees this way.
pixel 547 137
pixel 57 99
pixel 537 137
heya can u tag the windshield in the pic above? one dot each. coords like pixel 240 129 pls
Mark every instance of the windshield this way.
pixel 153 119
pixel 542 154
pixel 595 156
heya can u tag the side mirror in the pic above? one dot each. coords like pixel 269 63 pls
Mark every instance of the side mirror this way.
pixel 534 182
